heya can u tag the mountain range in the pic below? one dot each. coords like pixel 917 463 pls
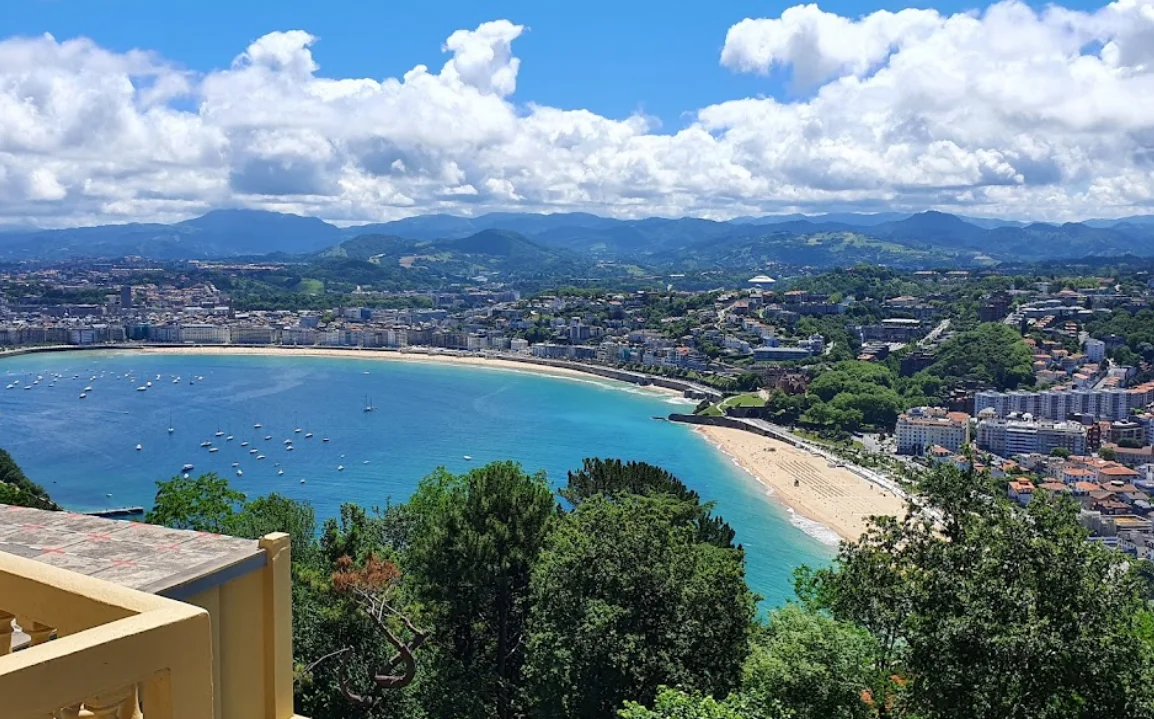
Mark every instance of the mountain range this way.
pixel 578 239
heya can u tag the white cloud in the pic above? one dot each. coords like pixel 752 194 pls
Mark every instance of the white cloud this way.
pixel 1008 111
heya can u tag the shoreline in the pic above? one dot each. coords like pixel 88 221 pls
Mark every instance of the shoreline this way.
pixel 832 497
pixel 492 362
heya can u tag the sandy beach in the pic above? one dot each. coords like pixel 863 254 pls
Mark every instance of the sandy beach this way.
pixel 834 497
pixel 375 355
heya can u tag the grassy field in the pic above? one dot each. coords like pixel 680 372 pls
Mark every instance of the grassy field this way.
pixel 750 399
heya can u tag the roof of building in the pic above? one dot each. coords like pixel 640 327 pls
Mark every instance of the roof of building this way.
pixel 136 555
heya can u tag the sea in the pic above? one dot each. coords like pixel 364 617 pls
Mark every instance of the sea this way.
pixel 111 447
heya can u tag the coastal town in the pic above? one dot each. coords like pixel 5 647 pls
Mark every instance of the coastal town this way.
pixel 1043 382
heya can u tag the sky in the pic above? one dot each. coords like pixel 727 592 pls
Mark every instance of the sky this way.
pixel 126 110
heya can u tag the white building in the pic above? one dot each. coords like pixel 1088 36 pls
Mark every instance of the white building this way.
pixel 763 282
pixel 1095 350
pixel 1009 437
pixel 923 427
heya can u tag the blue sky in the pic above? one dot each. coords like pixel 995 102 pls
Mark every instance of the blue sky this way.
pixel 618 107
pixel 613 57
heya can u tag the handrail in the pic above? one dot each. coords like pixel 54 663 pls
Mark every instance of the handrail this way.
pixel 112 639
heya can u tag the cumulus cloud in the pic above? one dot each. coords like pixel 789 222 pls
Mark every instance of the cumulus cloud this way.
pixel 1008 111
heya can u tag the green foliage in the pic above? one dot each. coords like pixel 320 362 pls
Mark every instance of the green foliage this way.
pixel 993 354
pixel 206 504
pixel 1108 453
pixel 673 704
pixel 613 478
pixel 812 664
pixel 19 491
pixel 626 600
pixel 988 610
pixel 469 564
pixel 1060 452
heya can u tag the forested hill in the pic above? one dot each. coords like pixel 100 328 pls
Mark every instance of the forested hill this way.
pixel 16 489
pixel 923 239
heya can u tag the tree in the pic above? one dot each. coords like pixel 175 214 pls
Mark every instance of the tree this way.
pixel 816 666
pixel 625 600
pixel 992 353
pixel 614 478
pixel 983 609
pixel 673 704
pixel 1107 453
pixel 477 540
pixel 1060 452
pixel 19 491
pixel 206 504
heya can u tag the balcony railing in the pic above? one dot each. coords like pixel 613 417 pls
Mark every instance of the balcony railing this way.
pixel 213 641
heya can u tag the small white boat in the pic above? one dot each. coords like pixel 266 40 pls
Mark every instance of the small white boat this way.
pixel 279 472
pixel 186 475
pixel 83 395
pixel 365 462
pixel 147 384
pixel 206 443
pixel 244 444
pixel 260 456
pixel 289 448
pixel 324 439
pixel 308 435
pixel 288 441
pixel 171 430
pixel 340 467
pixel 468 458
pixel 186 468
pixel 142 388
pixel 302 481
pixel 236 464
pixel 87 389
pixel 268 437
pixel 176 381
pixel 240 473
pixel 252 451
pixel 297 430
pixel 218 434
pixel 228 438
pixel 138 448
pixel 256 426
pixel 214 449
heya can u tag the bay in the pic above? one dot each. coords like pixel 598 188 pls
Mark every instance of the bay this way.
pixel 427 415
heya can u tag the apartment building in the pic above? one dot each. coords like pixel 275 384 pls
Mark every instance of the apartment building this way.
pixel 923 427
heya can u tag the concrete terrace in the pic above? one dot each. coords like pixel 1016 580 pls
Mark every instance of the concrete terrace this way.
pixel 172 563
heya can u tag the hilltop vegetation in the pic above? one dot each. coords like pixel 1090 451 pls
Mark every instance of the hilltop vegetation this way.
pixel 632 603
pixel 17 490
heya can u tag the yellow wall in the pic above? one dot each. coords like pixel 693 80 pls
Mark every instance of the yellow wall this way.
pixel 251 639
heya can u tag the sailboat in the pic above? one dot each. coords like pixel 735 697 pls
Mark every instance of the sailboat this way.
pixel 369 405
pixel 171 429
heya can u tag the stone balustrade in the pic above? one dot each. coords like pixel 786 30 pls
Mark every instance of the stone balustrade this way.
pixel 96 649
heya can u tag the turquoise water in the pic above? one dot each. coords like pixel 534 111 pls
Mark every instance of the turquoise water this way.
pixel 427 415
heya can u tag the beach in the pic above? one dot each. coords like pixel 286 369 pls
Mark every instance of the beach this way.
pixel 831 496
pixel 392 356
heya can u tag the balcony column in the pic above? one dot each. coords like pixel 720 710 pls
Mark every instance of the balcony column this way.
pixel 6 632
pixel 108 706
pixel 38 633
pixel 72 712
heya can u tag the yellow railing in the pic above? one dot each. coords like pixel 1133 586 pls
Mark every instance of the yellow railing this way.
pixel 223 651
pixel 119 653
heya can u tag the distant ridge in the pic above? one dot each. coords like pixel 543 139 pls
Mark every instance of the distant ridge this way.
pixel 899 239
